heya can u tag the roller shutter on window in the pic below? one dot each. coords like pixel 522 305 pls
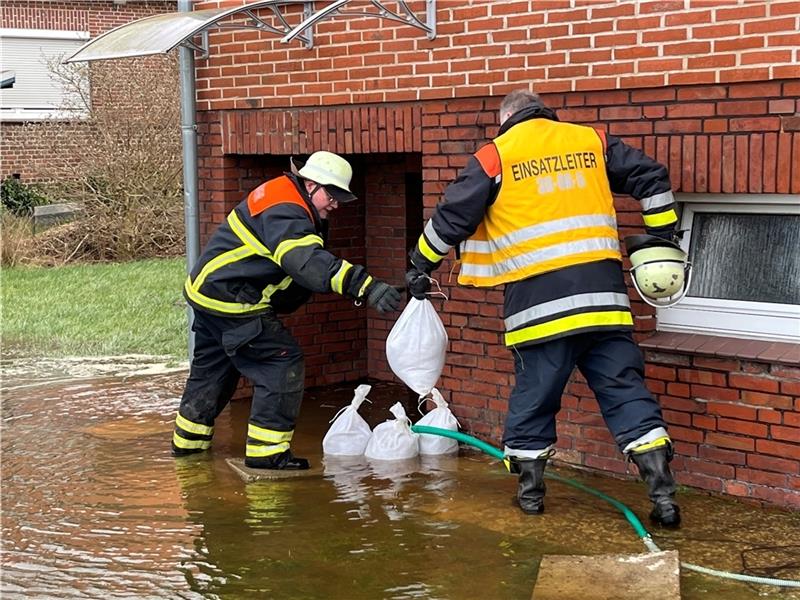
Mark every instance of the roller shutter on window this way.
pixel 33 88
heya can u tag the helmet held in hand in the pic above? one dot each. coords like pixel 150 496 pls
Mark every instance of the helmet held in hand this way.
pixel 660 269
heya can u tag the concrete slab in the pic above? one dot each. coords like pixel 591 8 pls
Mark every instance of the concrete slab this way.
pixel 655 576
pixel 52 214
pixel 250 475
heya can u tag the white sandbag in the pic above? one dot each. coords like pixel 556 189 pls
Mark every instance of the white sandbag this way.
pixel 393 439
pixel 442 418
pixel 417 345
pixel 349 433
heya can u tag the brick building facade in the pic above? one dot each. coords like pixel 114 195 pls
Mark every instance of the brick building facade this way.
pixel 709 87
pixel 712 89
pixel 24 153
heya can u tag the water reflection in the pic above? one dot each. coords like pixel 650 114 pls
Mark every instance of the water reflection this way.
pixel 95 507
pixel 347 474
pixel 85 504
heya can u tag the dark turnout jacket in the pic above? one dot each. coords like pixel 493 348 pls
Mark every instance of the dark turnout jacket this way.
pixel 269 254
pixel 533 210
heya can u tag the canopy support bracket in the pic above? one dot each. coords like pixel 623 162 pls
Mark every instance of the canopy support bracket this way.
pixel 404 15
pixel 201 48
pixel 257 22
pixel 282 27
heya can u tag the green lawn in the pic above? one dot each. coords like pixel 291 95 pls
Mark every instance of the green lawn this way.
pixel 96 310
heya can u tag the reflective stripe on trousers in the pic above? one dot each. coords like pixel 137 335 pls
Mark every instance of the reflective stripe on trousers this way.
pixel 190 435
pixel 263 442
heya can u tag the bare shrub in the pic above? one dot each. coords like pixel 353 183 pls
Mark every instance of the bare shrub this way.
pixel 127 172
pixel 15 238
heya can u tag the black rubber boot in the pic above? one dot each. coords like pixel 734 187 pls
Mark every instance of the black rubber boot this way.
pixel 185 452
pixel 530 493
pixel 285 461
pixel 654 471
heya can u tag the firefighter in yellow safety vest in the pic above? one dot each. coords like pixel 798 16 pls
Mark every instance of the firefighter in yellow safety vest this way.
pixel 265 259
pixel 533 210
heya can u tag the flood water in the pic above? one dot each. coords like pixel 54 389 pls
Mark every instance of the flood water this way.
pixel 94 506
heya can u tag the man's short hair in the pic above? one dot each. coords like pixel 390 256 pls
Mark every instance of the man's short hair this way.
pixel 517 100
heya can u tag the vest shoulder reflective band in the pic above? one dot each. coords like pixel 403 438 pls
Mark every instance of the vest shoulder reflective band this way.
pixel 275 191
pixel 554 208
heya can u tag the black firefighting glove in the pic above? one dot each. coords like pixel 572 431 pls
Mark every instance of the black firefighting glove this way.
pixel 418 283
pixel 382 296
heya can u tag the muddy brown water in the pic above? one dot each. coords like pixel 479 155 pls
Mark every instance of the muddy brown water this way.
pixel 94 506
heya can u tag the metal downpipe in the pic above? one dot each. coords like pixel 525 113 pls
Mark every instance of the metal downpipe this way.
pixel 189 143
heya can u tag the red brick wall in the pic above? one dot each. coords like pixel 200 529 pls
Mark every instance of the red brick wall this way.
pixel 94 16
pixel 718 138
pixel 24 151
pixel 341 341
pixel 386 241
pixel 487 48
pixel 27 152
pixel 736 424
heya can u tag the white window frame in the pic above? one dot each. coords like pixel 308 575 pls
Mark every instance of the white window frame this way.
pixel 732 318
pixel 10 115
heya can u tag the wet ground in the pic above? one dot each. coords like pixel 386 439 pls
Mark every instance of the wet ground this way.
pixel 94 506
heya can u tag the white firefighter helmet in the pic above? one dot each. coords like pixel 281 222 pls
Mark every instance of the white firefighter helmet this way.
pixel 330 171
pixel 660 269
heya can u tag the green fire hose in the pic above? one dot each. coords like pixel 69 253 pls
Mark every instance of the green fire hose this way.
pixel 629 515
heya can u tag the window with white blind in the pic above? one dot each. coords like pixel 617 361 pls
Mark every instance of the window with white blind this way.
pixel 745 254
pixel 24 56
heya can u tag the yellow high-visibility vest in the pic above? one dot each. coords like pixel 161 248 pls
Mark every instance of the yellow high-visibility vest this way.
pixel 554 208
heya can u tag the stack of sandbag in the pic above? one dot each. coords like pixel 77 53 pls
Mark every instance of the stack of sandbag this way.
pixel 442 418
pixel 349 433
pixel 393 439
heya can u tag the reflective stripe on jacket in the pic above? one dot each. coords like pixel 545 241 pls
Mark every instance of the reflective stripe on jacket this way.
pixel 577 299
pixel 269 254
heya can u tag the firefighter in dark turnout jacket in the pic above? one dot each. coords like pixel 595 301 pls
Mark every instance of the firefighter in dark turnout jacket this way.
pixel 533 210
pixel 266 258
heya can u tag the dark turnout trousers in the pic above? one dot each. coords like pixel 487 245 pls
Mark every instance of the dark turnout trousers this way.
pixel 261 349
pixel 613 367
